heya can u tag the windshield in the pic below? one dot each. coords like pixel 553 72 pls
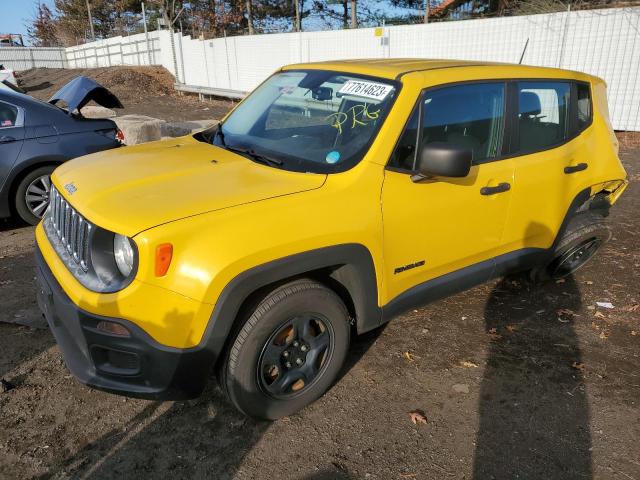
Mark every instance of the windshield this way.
pixel 311 120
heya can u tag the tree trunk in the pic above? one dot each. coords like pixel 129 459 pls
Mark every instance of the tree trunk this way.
pixel 427 10
pixel 345 14
pixel 249 17
pixel 93 33
pixel 298 24
pixel 354 14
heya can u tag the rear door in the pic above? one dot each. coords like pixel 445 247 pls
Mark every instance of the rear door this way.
pixel 11 137
pixel 550 158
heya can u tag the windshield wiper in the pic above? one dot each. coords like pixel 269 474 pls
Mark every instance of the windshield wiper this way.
pixel 247 152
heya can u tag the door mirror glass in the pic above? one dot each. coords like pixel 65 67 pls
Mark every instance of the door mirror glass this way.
pixel 440 159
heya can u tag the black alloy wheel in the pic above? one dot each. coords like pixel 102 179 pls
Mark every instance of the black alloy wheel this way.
pixel 295 355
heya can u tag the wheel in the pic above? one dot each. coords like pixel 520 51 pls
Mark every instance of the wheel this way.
pixel 288 352
pixel 585 234
pixel 32 194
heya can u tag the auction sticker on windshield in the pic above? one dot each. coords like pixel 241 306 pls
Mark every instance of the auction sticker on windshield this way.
pixel 376 91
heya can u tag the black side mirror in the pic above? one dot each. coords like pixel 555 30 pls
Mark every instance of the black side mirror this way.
pixel 439 159
pixel 322 93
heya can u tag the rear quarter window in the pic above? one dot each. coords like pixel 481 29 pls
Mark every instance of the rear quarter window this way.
pixel 8 115
pixel 583 106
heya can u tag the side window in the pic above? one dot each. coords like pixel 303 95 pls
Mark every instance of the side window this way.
pixel 470 116
pixel 583 102
pixel 543 109
pixel 8 115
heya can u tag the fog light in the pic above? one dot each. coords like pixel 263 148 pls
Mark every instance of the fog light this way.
pixel 113 328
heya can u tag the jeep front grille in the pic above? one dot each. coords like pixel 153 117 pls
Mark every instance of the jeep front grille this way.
pixel 71 228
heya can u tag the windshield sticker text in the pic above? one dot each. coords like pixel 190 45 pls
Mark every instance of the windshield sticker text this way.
pixel 376 91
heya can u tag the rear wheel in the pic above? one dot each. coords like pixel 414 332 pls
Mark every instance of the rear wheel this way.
pixel 32 194
pixel 288 352
pixel 586 233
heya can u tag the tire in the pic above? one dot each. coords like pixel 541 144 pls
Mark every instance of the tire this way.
pixel 35 180
pixel 584 236
pixel 255 374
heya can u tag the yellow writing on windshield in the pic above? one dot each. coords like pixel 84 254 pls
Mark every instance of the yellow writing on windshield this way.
pixel 359 115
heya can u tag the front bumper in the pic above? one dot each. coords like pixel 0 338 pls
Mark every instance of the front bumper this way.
pixel 135 366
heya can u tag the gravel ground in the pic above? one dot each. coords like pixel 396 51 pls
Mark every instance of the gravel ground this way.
pixel 515 382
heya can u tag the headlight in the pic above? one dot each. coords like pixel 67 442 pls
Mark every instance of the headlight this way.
pixel 123 253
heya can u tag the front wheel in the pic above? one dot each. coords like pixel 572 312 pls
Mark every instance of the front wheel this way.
pixel 585 234
pixel 32 195
pixel 288 352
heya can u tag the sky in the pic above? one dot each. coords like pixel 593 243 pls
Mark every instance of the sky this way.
pixel 15 13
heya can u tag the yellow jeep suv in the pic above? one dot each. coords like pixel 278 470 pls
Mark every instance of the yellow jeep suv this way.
pixel 334 197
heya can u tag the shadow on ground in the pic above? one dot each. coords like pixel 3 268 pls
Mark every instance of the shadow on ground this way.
pixel 204 438
pixel 534 416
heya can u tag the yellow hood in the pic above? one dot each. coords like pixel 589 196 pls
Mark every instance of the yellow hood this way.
pixel 131 189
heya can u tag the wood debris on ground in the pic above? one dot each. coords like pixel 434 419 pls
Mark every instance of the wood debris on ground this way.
pixel 417 417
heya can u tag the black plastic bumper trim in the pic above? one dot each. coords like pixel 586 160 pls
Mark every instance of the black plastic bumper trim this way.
pixel 162 373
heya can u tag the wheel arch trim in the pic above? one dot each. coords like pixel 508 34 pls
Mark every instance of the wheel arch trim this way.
pixel 350 265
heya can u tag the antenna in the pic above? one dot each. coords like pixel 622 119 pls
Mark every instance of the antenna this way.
pixel 524 50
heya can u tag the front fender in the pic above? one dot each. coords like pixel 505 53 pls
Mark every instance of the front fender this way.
pixel 351 265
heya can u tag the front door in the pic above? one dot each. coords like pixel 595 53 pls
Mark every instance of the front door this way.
pixel 437 226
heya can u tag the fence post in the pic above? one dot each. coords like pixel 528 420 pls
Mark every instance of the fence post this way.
pixel 173 53
pixel 182 56
pixel 33 62
pixel 564 35
pixel 226 54
pixel 146 31
pixel 206 62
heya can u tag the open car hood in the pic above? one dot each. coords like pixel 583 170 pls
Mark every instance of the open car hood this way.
pixel 80 91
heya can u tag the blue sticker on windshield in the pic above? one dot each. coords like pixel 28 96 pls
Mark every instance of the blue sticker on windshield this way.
pixel 333 157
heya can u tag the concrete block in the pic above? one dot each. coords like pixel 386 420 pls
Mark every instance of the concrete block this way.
pixel 96 111
pixel 139 128
pixel 178 129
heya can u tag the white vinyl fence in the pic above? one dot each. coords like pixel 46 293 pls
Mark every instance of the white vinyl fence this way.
pixel 140 49
pixel 23 58
pixel 605 43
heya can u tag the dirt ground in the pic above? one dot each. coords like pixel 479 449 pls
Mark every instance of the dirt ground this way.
pixel 515 382
pixel 141 90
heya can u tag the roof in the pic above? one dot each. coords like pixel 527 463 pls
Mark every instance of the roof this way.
pixel 393 68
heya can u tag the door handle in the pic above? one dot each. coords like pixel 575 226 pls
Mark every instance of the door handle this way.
pixel 7 139
pixel 575 168
pixel 501 187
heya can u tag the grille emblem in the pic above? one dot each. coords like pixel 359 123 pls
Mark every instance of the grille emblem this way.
pixel 71 188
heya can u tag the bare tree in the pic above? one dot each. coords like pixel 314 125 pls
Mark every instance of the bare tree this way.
pixel 354 14
pixel 532 7
pixel 298 23
pixel 427 10
pixel 42 28
pixel 249 17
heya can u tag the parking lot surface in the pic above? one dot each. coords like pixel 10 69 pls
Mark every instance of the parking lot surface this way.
pixel 515 381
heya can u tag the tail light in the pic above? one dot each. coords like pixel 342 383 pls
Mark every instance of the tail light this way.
pixel 120 136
